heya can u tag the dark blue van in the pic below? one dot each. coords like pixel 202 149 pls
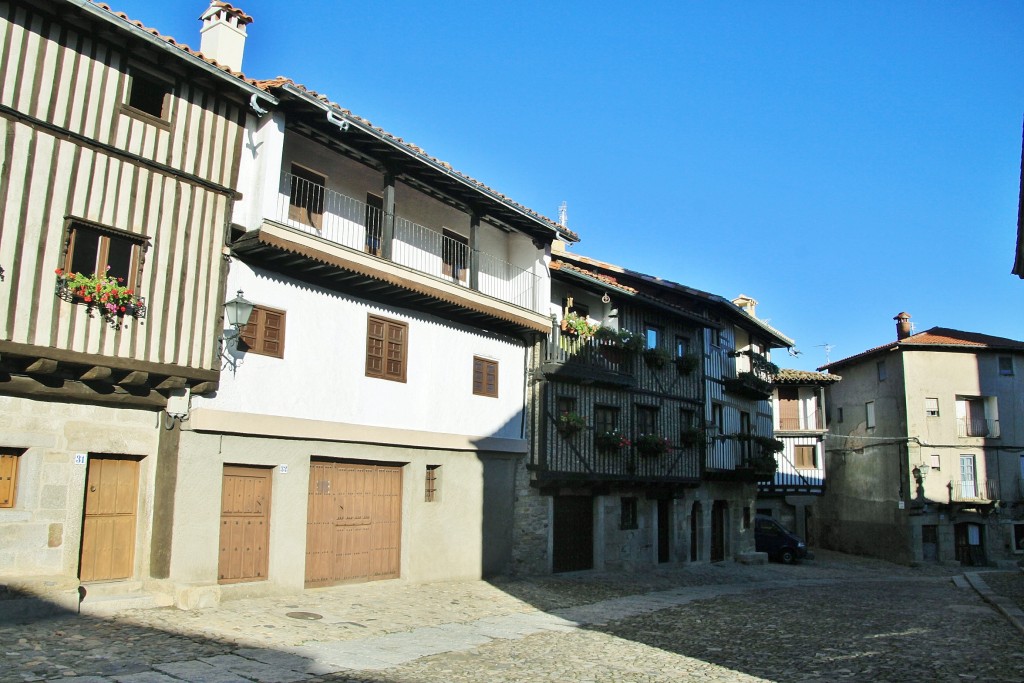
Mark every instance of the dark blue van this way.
pixel 780 543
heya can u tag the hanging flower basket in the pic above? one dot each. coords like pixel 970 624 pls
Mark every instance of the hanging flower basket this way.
pixel 611 441
pixel 570 424
pixel 104 295
pixel 687 363
pixel 656 358
pixel 651 445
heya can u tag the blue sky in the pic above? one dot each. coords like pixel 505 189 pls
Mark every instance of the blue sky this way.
pixel 840 162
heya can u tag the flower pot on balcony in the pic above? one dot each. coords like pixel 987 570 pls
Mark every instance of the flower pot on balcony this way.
pixel 610 442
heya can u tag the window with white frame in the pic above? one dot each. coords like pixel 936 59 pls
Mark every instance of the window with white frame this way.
pixel 935 461
pixel 869 414
pixel 931 407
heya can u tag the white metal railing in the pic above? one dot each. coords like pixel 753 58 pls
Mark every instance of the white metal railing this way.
pixel 804 422
pixel 354 224
pixel 972 490
pixel 976 426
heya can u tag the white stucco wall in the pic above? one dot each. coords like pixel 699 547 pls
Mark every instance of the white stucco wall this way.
pixel 322 375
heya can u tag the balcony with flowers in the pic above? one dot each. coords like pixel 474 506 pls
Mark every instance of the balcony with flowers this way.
pixel 103 295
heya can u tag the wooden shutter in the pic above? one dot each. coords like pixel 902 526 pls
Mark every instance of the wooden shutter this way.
pixel 789 408
pixel 8 478
pixel 386 348
pixel 804 457
pixel 485 377
pixel 264 334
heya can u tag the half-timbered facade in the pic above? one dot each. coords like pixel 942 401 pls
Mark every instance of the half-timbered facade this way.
pixel 800 425
pixel 120 153
pixel 618 475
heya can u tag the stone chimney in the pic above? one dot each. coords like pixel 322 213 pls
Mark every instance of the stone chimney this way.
pixel 747 303
pixel 222 37
pixel 902 325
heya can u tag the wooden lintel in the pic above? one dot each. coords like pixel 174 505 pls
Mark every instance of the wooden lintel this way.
pixel 79 392
pixel 97 373
pixel 42 366
pixel 172 383
pixel 205 387
pixel 135 379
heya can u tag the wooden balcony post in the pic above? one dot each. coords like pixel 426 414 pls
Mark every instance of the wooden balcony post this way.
pixel 388 227
pixel 474 254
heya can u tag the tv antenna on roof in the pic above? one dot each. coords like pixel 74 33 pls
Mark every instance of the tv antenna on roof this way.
pixel 828 349
pixel 563 215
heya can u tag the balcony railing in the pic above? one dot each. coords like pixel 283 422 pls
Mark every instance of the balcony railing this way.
pixel 977 426
pixel 350 223
pixel 807 422
pixel 971 490
pixel 594 359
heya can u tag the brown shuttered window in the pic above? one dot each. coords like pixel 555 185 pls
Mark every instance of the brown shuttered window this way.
pixel 265 332
pixel 485 377
pixel 386 348
pixel 8 476
pixel 103 251
pixel 804 457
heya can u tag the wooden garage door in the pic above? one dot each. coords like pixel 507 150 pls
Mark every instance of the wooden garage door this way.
pixel 244 524
pixel 108 530
pixel 354 528
pixel 573 533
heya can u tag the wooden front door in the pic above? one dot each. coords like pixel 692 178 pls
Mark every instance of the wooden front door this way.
pixel 664 529
pixel 573 533
pixel 108 530
pixel 719 513
pixel 354 522
pixel 244 524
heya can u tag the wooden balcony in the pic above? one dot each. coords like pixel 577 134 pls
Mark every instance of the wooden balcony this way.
pixel 748 385
pixel 592 361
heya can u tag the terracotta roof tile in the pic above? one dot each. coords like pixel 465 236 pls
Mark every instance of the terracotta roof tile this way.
pixel 606 279
pixel 789 376
pixel 281 81
pixel 939 337
pixel 171 41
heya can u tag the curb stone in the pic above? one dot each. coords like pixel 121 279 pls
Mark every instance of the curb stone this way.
pixel 1004 605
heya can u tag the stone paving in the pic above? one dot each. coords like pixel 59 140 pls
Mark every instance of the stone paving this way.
pixel 835 618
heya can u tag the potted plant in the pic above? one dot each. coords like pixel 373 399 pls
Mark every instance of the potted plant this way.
pixel 616 344
pixel 103 294
pixel 691 437
pixel 610 441
pixel 570 423
pixel 575 325
pixel 687 363
pixel 651 445
pixel 656 358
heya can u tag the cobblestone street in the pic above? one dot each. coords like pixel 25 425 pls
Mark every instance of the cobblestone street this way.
pixel 832 619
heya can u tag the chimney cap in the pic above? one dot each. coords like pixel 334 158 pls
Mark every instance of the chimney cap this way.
pixel 902 316
pixel 219 6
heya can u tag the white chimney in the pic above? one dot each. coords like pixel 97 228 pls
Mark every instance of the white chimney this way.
pixel 223 34
pixel 748 304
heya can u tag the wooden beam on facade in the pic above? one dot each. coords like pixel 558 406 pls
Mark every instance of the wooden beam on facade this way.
pixel 42 366
pixel 134 379
pixel 75 391
pixel 172 383
pixel 205 388
pixel 97 373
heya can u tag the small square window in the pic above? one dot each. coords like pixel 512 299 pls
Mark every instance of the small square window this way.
pixel 8 475
pixel 431 484
pixel 935 461
pixel 651 334
pixel 149 95
pixel 485 377
pixel 628 519
pixel 264 333
pixel 882 374
pixel 931 407
pixel 804 457
pixel 1006 366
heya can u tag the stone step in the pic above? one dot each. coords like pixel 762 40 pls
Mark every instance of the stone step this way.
pixel 118 602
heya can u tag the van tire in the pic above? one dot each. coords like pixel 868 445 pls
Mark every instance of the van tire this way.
pixel 787 556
